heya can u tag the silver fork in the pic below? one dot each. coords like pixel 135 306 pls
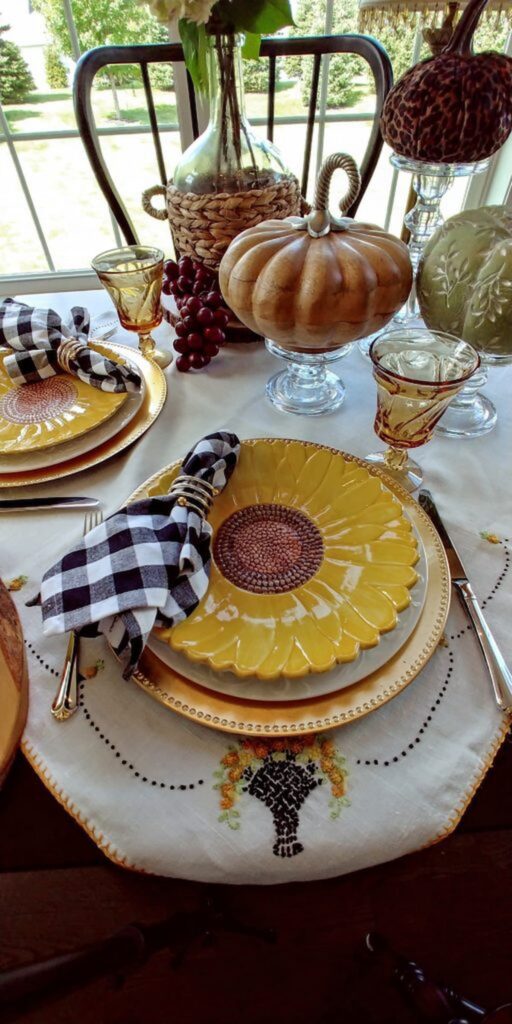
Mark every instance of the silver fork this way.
pixel 66 699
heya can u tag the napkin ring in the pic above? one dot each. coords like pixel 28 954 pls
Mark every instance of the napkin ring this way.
pixel 192 492
pixel 66 351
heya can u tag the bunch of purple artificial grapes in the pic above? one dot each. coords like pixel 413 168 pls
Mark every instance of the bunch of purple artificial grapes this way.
pixel 203 317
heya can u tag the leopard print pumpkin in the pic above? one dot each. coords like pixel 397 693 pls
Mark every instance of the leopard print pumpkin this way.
pixel 453 108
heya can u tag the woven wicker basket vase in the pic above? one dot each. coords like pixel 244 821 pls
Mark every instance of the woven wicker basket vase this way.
pixel 203 225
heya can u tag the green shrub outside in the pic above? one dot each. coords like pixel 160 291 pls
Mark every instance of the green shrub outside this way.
pixel 129 77
pixel 255 75
pixel 344 81
pixel 347 74
pixel 55 69
pixel 397 41
pixel 160 76
pixel 16 81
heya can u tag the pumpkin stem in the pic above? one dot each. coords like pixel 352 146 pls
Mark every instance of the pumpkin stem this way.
pixel 463 34
pixel 343 162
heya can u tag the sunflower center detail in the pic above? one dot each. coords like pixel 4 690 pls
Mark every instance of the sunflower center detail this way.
pixel 33 403
pixel 268 549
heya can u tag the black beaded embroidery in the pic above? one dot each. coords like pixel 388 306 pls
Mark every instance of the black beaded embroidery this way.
pixel 424 727
pixel 453 636
pixel 101 736
pixel 283 786
pixel 125 763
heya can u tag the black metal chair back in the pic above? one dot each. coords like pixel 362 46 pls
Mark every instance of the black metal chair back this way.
pixel 144 55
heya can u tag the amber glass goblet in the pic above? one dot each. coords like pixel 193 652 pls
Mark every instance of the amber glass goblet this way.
pixel 417 372
pixel 133 278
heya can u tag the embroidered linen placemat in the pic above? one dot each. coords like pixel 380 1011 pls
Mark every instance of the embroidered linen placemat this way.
pixel 161 794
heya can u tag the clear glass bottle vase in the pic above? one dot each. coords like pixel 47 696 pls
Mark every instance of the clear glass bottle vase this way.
pixel 227 157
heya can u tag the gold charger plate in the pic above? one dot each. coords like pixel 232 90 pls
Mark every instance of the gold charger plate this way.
pixel 34 417
pixel 154 398
pixel 236 715
pixel 313 560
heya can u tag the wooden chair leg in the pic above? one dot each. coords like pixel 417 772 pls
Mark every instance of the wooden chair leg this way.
pixel 431 1000
pixel 33 985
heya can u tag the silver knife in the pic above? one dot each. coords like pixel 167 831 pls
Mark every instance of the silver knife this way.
pixel 501 677
pixel 30 504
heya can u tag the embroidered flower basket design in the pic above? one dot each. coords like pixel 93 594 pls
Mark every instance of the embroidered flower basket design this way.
pixel 281 774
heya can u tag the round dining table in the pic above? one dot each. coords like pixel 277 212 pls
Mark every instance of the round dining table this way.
pixel 438 888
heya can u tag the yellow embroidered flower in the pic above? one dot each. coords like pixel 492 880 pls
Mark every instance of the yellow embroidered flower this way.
pixel 313 560
pixel 313 751
pixel 327 748
pixel 297 746
pixel 230 758
pixel 17 583
pixel 338 790
pixel 90 671
pixel 491 537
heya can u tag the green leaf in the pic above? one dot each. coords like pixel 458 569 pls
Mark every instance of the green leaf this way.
pixel 251 47
pixel 257 16
pixel 193 39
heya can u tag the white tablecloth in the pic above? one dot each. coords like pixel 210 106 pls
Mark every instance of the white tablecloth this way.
pixel 164 795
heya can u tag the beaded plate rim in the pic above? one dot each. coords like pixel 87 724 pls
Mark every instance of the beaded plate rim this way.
pixel 247 718
pixel 150 409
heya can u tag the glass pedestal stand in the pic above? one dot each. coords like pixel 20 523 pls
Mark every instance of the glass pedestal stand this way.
pixel 430 183
pixel 471 414
pixel 306 386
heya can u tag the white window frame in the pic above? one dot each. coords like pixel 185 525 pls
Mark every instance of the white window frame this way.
pixel 481 188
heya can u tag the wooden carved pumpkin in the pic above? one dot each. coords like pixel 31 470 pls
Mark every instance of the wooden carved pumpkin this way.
pixel 317 282
pixel 465 279
pixel 453 108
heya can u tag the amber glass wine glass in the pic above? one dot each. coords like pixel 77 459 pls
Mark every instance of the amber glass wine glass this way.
pixel 133 277
pixel 417 372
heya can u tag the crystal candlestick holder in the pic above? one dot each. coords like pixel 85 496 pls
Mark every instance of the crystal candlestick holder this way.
pixel 430 182
pixel 471 413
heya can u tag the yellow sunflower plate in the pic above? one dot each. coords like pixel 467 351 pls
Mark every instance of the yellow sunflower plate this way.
pixel 58 409
pixel 313 559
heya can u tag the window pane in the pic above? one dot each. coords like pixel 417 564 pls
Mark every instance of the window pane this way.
pixel 21 250
pixel 71 208
pixel 73 213
pixel 118 96
pixel 132 164
pixel 43 101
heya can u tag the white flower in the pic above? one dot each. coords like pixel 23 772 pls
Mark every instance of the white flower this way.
pixel 164 10
pixel 192 10
pixel 197 10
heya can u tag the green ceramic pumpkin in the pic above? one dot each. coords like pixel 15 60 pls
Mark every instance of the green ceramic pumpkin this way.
pixel 465 279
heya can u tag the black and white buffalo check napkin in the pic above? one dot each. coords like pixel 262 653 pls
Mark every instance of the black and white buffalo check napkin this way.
pixel 44 344
pixel 147 565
